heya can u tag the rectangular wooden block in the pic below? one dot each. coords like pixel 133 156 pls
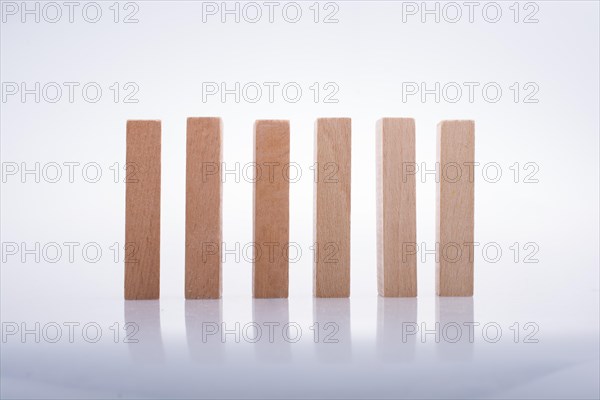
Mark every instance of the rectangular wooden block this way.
pixel 396 208
pixel 332 207
pixel 271 209
pixel 203 235
pixel 142 211
pixel 455 208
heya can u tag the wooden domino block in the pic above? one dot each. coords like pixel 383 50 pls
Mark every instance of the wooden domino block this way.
pixel 396 208
pixel 332 207
pixel 455 213
pixel 203 235
pixel 142 211
pixel 271 209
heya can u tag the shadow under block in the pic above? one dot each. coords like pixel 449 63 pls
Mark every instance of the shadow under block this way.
pixel 142 211
pixel 396 208
pixel 203 233
pixel 332 207
pixel 271 209
pixel 455 208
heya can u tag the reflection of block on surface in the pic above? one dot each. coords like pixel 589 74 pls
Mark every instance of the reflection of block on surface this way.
pixel 274 333
pixel 203 327
pixel 271 209
pixel 332 207
pixel 203 209
pixel 142 211
pixel 332 329
pixel 455 214
pixel 397 328
pixel 142 331
pixel 458 332
pixel 396 208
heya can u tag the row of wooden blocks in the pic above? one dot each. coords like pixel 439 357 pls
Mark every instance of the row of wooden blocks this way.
pixel 396 208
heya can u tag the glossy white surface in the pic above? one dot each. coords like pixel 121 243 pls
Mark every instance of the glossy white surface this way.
pixel 367 350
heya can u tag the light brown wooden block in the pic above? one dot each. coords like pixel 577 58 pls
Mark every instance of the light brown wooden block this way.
pixel 455 213
pixel 332 207
pixel 203 235
pixel 271 209
pixel 396 208
pixel 142 211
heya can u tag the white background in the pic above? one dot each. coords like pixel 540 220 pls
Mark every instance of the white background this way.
pixel 368 54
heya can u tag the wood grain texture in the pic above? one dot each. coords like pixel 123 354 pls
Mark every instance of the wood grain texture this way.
pixel 271 209
pixel 396 208
pixel 332 207
pixel 203 233
pixel 142 211
pixel 455 208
